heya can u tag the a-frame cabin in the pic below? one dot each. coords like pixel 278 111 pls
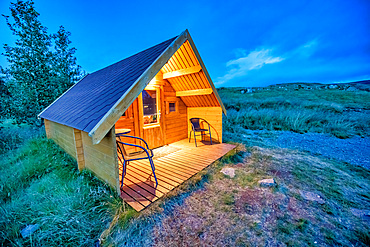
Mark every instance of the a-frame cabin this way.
pixel 153 93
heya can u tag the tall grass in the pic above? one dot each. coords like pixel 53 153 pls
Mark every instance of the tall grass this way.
pixel 41 185
pixel 13 136
pixel 343 115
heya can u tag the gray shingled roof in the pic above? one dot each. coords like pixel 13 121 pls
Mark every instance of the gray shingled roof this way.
pixel 83 105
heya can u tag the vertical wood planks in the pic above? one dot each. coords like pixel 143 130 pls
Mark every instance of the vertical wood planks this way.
pixel 79 149
pixel 47 128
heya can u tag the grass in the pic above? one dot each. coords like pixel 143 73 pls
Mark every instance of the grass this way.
pixel 41 185
pixel 337 112
pixel 12 136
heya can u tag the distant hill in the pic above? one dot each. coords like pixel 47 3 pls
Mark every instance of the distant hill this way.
pixel 317 83
pixel 348 86
pixel 362 82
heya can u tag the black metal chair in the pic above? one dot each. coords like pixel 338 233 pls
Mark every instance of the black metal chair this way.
pixel 195 123
pixel 125 158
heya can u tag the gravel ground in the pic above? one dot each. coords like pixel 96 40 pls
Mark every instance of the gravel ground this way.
pixel 354 150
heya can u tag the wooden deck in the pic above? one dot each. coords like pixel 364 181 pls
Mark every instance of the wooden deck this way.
pixel 177 163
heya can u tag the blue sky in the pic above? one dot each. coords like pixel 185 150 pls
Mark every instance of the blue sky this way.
pixel 242 43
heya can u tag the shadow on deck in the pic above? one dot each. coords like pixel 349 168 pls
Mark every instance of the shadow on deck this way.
pixel 174 164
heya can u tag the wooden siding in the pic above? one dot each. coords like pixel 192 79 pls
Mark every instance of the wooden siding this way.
pixel 130 121
pixel 213 115
pixel 175 122
pixel 79 149
pixel 184 58
pixel 153 136
pixel 47 128
pixel 101 158
pixel 173 125
pixel 139 189
pixel 62 135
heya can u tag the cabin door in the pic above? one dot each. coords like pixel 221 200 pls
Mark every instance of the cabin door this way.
pixel 152 117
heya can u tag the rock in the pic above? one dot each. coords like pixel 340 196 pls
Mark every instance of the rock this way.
pixel 360 212
pixel 352 89
pixel 228 171
pixel 269 182
pixel 310 196
pixel 28 230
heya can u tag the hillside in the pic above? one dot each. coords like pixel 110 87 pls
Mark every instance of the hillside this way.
pixel 348 86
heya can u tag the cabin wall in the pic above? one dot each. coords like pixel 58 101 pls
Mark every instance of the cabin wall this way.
pixel 130 121
pixel 213 115
pixel 176 126
pixel 154 134
pixel 101 158
pixel 173 125
pixel 61 135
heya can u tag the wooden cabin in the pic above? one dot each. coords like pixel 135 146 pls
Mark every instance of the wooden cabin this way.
pixel 153 93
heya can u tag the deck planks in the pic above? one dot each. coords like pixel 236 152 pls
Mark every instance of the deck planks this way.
pixel 139 189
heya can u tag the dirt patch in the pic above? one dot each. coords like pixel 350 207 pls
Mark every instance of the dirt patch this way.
pixel 236 212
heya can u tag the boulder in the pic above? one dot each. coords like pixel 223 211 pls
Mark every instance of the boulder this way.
pixel 269 182
pixel 228 171
pixel 310 196
pixel 28 230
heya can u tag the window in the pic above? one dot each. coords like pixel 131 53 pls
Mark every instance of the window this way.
pixel 172 107
pixel 150 106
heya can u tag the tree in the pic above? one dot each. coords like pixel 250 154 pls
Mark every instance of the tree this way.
pixel 4 100
pixel 36 75
pixel 64 62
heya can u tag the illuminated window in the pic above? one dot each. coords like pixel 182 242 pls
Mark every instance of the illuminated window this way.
pixel 172 107
pixel 150 106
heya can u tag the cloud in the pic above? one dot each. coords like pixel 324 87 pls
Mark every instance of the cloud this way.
pixel 254 60
pixel 307 49
pixel 245 63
